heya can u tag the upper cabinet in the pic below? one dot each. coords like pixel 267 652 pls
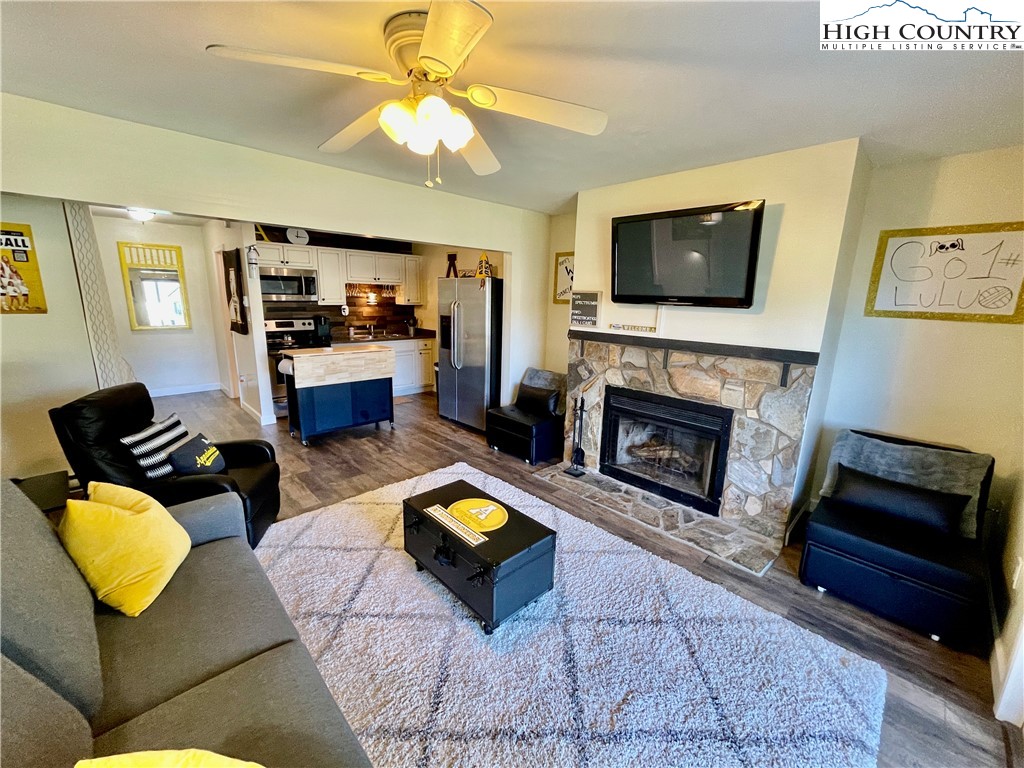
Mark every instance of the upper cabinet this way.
pixel 331 273
pixel 283 255
pixel 411 291
pixel 368 267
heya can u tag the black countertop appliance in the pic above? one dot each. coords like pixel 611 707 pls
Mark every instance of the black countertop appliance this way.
pixel 322 326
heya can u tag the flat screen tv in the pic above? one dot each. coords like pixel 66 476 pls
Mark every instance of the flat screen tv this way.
pixel 701 257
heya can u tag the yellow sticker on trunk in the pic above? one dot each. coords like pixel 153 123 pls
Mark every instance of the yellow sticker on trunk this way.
pixel 479 514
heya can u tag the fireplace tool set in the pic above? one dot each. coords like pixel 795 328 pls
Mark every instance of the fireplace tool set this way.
pixel 577 457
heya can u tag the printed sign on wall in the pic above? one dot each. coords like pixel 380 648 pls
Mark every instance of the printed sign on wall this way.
pixel 970 273
pixel 585 305
pixel 21 285
pixel 564 267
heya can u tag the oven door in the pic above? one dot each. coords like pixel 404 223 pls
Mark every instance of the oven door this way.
pixel 277 383
pixel 280 284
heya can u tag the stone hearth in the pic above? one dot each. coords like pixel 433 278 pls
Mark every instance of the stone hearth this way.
pixel 768 390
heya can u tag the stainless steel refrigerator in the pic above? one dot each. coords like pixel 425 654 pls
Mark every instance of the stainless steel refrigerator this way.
pixel 469 358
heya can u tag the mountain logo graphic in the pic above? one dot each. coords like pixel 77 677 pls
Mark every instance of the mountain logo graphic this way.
pixel 941 25
pixel 963 19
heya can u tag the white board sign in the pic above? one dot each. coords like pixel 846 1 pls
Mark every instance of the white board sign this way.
pixel 970 273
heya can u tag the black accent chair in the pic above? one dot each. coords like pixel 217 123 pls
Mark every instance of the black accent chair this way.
pixel 89 431
pixel 533 429
pixel 884 555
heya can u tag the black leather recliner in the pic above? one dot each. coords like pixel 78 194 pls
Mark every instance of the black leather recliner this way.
pixel 89 430
pixel 533 429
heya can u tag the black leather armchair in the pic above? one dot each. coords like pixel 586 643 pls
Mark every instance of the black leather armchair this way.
pixel 533 429
pixel 877 546
pixel 89 431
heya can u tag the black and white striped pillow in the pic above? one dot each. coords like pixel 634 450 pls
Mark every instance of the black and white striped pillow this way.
pixel 152 446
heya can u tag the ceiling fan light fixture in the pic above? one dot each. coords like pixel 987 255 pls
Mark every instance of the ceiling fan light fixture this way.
pixel 451 31
pixel 398 119
pixel 422 143
pixel 458 131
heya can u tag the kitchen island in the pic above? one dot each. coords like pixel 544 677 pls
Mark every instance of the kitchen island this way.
pixel 331 388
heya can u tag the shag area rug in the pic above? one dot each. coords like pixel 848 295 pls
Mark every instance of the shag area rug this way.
pixel 629 661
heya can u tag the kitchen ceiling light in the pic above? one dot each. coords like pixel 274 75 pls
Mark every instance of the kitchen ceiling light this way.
pixel 141 214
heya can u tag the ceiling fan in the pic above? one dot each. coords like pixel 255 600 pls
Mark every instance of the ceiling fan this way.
pixel 430 48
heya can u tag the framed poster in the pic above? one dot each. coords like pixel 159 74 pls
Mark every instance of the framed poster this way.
pixel 21 285
pixel 234 287
pixel 968 273
pixel 564 265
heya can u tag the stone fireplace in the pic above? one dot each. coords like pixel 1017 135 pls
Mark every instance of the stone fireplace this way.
pixel 755 398
pixel 673 447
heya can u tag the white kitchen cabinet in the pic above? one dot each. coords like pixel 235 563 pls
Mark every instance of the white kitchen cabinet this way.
pixel 425 355
pixel 411 291
pixel 332 275
pixel 414 365
pixel 406 370
pixel 368 267
pixel 279 255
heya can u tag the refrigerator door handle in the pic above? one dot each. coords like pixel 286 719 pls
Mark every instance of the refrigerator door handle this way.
pixel 453 342
pixel 457 335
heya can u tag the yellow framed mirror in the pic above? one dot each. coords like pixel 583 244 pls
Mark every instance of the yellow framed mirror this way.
pixel 154 286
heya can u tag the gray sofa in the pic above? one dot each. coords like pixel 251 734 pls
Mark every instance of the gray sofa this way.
pixel 214 663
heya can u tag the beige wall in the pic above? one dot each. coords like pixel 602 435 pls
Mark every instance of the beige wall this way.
pixel 193 351
pixel 556 349
pixel 131 164
pixel 947 382
pixel 806 191
pixel 45 360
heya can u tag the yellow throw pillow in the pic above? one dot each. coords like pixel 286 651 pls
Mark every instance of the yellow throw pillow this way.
pixel 167 758
pixel 125 544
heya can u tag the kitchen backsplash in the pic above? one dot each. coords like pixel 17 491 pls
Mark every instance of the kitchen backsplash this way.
pixel 386 315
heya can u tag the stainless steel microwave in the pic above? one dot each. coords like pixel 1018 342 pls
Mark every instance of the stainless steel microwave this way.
pixel 288 284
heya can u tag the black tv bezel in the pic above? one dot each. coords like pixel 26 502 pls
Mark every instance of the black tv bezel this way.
pixel 729 302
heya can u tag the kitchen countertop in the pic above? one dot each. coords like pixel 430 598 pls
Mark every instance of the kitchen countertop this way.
pixel 421 334
pixel 346 349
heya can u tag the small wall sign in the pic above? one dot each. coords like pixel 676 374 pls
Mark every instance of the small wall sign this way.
pixel 564 268
pixel 584 308
pixel 969 273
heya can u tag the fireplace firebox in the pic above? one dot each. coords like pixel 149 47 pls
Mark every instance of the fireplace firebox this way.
pixel 673 447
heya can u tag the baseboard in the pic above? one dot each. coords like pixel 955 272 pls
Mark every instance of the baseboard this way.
pixel 184 390
pixel 1007 667
pixel 252 412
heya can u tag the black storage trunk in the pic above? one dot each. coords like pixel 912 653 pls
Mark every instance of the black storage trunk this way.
pixel 496 578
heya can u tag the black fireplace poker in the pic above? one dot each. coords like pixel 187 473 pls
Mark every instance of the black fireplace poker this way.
pixel 577 458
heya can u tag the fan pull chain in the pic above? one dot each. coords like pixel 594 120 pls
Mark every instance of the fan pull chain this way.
pixel 438 177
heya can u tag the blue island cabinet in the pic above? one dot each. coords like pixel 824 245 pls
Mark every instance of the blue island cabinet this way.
pixel 314 411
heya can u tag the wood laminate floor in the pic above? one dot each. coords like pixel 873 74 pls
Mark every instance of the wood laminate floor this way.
pixel 938 709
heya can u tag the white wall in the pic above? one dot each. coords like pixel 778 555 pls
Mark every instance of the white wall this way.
pixel 167 361
pixel 217 238
pixel 556 349
pixel 45 360
pixel 941 381
pixel 131 164
pixel 806 193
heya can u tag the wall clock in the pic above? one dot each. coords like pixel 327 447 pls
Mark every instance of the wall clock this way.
pixel 297 236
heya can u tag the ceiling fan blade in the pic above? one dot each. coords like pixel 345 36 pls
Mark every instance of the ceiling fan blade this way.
pixel 352 133
pixel 479 156
pixel 453 28
pixel 563 114
pixel 297 62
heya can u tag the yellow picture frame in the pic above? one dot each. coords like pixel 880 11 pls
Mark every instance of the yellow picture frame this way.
pixel 21 284
pixel 970 273
pixel 564 269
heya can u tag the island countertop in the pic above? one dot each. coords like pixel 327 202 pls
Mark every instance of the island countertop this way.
pixel 322 366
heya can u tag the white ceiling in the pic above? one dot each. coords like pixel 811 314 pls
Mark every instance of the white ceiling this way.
pixel 685 84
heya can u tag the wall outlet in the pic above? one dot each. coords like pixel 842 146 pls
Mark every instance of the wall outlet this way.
pixel 1016 573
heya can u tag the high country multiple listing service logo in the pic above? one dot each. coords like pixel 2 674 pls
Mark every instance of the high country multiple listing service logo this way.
pixel 921 25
